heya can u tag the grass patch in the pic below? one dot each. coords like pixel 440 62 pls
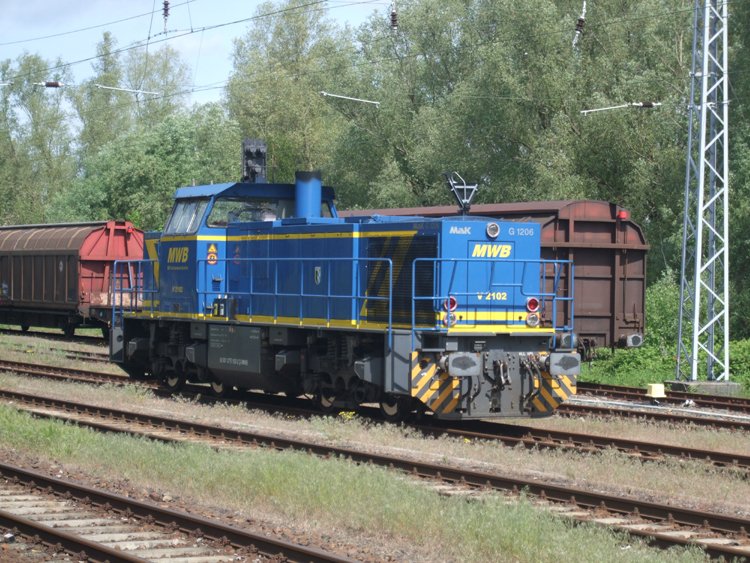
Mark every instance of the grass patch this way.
pixel 332 494
pixel 635 368
pixel 613 471
pixel 41 351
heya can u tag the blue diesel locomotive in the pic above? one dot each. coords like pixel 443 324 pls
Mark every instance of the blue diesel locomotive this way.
pixel 259 285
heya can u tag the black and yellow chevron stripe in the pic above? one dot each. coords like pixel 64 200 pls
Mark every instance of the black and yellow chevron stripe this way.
pixel 435 388
pixel 552 391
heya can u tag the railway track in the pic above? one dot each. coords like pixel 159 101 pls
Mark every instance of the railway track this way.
pixel 96 525
pixel 579 406
pixel 676 398
pixel 530 437
pixel 630 394
pixel 664 524
pixel 62 373
pixel 508 434
pixel 96 340
pixel 79 355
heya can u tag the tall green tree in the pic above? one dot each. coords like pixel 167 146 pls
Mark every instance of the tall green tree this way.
pixel 36 155
pixel 395 155
pixel 280 67
pixel 164 75
pixel 134 176
pixel 739 165
pixel 495 90
pixel 104 113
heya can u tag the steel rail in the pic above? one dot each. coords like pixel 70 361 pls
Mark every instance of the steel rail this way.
pixel 566 409
pixel 57 372
pixel 734 404
pixel 510 434
pixel 59 539
pixel 166 517
pixel 530 437
pixel 577 409
pixel 586 499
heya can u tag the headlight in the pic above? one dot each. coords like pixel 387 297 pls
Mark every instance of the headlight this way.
pixel 567 340
pixel 493 229
pixel 532 319
pixel 449 319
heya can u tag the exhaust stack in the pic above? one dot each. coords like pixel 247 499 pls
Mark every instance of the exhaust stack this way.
pixel 307 192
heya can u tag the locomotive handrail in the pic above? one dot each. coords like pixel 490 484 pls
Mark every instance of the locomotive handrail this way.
pixel 253 293
pixel 131 292
pixel 135 272
pixel 552 297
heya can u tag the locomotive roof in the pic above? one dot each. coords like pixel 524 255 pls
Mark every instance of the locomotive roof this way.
pixel 245 189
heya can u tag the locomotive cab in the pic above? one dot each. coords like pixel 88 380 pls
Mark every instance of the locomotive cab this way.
pixel 193 248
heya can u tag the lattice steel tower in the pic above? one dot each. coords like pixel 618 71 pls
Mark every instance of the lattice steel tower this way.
pixel 704 291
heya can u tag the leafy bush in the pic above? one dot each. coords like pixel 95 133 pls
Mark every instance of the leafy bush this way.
pixel 656 360
pixel 739 362
pixel 635 367
pixel 663 312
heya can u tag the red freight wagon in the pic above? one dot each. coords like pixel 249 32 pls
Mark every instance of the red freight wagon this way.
pixel 59 275
pixel 607 248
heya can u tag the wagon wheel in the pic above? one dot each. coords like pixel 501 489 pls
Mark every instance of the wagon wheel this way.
pixel 69 331
pixel 25 328
pixel 395 408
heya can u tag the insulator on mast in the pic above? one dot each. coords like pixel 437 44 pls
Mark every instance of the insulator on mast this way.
pixel 579 24
pixel 641 105
pixel 165 11
pixel 394 18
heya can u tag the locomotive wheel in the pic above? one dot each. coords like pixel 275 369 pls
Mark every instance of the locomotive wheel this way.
pixel 325 401
pixel 219 389
pixel 173 381
pixel 394 408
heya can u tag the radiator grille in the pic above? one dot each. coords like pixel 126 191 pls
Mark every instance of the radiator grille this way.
pixel 402 251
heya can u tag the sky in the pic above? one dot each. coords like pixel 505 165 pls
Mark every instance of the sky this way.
pixel 77 26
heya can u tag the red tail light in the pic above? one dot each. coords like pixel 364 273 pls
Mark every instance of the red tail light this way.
pixel 532 304
pixel 450 304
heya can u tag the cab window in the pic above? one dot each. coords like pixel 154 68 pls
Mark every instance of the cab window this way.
pixel 186 216
pixel 237 210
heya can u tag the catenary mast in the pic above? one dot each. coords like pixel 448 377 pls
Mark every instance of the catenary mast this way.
pixel 703 332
